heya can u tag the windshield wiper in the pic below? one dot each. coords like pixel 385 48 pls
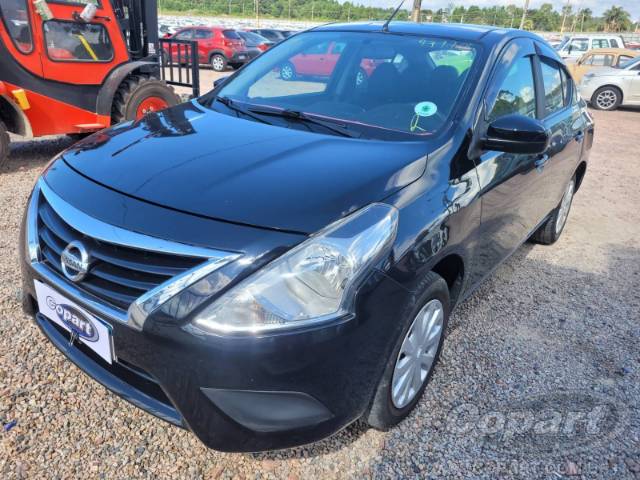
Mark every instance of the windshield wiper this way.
pixel 231 105
pixel 307 119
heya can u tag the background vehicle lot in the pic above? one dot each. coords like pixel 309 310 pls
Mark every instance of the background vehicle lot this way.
pixel 552 319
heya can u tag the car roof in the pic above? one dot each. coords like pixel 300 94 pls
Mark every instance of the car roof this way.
pixel 458 31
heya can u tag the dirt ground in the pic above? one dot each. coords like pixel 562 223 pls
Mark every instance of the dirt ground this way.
pixel 551 341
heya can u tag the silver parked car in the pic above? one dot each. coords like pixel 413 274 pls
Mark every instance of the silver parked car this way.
pixel 609 88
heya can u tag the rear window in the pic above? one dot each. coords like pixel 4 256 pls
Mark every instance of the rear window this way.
pixel 231 35
pixel 16 20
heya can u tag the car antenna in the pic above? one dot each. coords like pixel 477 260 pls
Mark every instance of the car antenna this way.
pixel 385 27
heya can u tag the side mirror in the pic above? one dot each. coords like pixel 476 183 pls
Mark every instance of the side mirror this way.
pixel 219 81
pixel 516 134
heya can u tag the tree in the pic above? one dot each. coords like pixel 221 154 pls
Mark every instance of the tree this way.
pixel 617 19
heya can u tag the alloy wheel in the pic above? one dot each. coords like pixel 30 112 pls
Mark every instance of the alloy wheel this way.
pixel 417 354
pixel 606 99
pixel 217 63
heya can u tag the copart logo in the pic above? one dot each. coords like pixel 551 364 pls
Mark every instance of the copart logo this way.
pixel 77 322
pixel 554 423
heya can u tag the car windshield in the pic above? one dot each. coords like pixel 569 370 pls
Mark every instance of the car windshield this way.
pixel 375 84
pixel 630 64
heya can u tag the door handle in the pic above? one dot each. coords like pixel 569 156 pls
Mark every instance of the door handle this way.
pixel 541 161
pixel 579 136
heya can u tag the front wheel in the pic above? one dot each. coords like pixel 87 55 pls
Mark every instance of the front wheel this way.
pixel 139 95
pixel 549 232
pixel 4 145
pixel 410 365
pixel 218 63
pixel 606 98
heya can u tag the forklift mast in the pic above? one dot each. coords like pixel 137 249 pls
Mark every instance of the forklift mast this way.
pixel 138 20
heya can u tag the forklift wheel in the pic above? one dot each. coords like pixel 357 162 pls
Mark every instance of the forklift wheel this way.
pixel 138 96
pixel 4 145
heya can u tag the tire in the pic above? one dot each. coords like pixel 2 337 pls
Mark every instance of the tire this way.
pixel 549 232
pixel 218 62
pixel 138 95
pixel 384 411
pixel 4 145
pixel 606 98
pixel 288 72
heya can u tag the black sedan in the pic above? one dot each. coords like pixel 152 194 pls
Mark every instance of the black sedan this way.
pixel 277 259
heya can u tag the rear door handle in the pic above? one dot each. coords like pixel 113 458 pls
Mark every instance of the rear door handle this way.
pixel 541 161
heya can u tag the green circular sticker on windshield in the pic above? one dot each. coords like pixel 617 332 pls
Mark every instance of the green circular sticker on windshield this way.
pixel 426 109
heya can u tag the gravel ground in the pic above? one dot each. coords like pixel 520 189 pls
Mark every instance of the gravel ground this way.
pixel 540 375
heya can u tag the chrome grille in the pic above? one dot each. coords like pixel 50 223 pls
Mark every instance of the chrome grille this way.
pixel 119 275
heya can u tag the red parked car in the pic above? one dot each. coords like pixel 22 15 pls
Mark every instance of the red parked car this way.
pixel 320 62
pixel 217 46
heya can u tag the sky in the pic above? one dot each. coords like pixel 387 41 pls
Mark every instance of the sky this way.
pixel 598 6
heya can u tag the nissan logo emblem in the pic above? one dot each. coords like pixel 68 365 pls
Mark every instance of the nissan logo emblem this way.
pixel 75 261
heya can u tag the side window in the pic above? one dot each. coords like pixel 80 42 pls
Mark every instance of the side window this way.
pixel 614 43
pixel 318 49
pixel 553 91
pixel 184 35
pixel 622 59
pixel 15 16
pixel 77 42
pixel 579 45
pixel 516 94
pixel 601 60
pixel 600 43
pixel 203 34
pixel 337 48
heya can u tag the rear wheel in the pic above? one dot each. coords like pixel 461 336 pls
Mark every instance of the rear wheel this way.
pixel 606 98
pixel 4 145
pixel 139 95
pixel 550 231
pixel 218 62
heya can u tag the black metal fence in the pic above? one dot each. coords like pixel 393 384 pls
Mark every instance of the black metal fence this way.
pixel 179 63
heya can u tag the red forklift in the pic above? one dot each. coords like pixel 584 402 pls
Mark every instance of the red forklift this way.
pixel 78 66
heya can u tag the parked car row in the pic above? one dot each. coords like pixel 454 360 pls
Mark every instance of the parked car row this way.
pixel 222 47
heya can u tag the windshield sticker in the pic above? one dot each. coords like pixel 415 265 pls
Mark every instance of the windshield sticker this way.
pixel 426 109
pixel 423 109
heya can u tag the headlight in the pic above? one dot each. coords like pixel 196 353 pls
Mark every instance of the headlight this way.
pixel 312 283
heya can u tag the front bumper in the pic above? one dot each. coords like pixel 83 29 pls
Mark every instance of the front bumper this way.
pixel 243 393
pixel 587 89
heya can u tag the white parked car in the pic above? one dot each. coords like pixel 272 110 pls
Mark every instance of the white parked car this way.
pixel 572 48
pixel 609 88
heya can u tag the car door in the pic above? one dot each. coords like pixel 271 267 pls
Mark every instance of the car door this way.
pixel 507 181
pixel 632 85
pixel 176 48
pixel 312 61
pixel 76 51
pixel 562 118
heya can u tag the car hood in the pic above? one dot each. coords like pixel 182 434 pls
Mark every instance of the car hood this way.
pixel 199 161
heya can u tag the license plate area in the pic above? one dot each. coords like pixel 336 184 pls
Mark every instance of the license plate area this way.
pixel 81 325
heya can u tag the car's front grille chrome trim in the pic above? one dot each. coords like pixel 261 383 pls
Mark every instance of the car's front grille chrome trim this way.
pixel 144 305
